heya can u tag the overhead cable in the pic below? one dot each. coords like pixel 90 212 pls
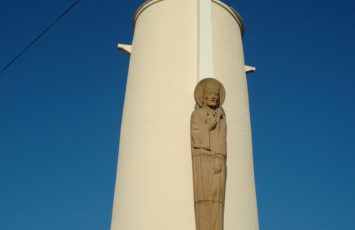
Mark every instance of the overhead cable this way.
pixel 39 36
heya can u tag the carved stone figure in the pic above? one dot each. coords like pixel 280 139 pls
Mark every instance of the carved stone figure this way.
pixel 208 144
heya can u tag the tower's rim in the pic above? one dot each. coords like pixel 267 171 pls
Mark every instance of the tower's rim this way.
pixel 231 10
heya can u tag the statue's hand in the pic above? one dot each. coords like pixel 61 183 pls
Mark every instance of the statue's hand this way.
pixel 211 122
pixel 218 164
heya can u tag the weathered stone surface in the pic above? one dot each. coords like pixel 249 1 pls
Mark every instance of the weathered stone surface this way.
pixel 209 151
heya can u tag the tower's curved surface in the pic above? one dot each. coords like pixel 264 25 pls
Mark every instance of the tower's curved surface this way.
pixel 154 176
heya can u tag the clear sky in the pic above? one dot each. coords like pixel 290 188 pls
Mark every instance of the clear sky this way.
pixel 61 105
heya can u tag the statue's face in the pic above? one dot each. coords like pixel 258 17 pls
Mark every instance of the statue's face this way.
pixel 211 96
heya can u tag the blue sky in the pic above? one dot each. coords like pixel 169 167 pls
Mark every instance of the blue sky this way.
pixel 61 104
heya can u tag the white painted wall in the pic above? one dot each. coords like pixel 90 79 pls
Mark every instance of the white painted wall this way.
pixel 154 177
pixel 205 42
pixel 241 208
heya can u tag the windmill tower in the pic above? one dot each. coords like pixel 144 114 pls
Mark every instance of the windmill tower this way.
pixel 176 43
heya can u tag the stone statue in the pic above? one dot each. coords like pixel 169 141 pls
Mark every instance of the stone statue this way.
pixel 208 144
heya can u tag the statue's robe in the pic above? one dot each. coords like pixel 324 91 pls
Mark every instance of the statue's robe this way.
pixel 208 154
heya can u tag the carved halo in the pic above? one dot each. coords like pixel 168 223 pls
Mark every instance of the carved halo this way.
pixel 202 84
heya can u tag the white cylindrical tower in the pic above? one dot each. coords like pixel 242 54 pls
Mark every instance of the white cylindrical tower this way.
pixel 228 60
pixel 154 188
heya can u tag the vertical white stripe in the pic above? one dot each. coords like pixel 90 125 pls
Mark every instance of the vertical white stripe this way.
pixel 205 53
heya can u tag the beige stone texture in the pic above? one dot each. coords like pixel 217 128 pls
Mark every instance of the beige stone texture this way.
pixel 209 153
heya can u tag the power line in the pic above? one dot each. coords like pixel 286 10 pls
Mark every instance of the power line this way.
pixel 39 36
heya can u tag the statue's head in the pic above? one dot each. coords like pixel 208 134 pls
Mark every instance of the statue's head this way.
pixel 210 93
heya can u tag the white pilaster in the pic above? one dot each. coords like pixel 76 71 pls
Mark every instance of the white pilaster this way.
pixel 205 43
